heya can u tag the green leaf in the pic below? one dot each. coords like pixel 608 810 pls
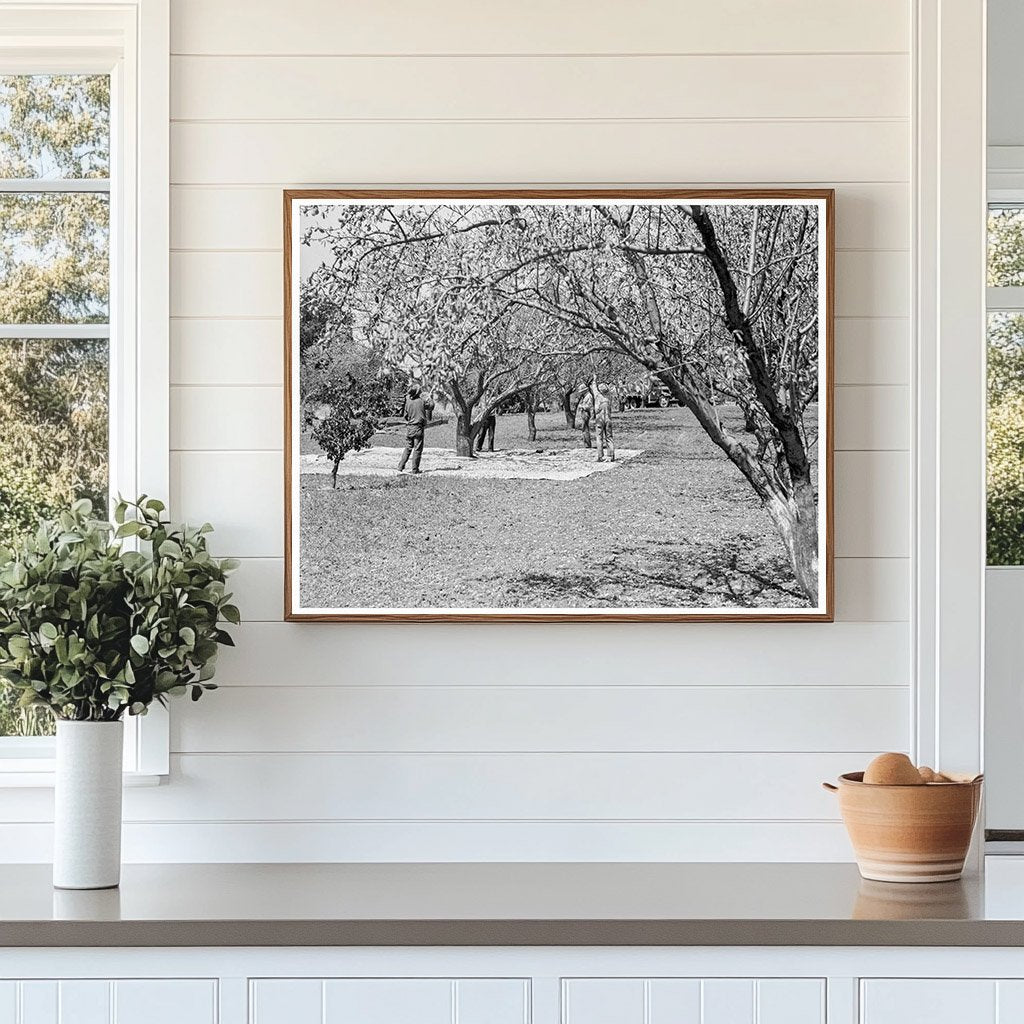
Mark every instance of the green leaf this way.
pixel 231 613
pixel 140 644
pixel 170 549
pixel 48 631
pixel 18 646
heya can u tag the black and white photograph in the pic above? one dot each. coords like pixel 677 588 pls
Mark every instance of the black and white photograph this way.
pixel 560 405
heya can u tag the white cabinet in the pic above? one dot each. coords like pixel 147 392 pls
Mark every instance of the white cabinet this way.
pixel 693 1001
pixel 94 1001
pixel 389 1001
pixel 941 1001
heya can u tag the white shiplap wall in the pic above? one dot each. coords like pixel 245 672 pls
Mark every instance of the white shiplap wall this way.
pixel 686 741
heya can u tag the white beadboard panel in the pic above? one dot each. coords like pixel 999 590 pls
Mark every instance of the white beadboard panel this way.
pixel 1010 1000
pixel 674 1001
pixel 727 1001
pixel 282 842
pixel 868 216
pixel 286 1001
pixel 537 26
pixel 246 283
pixel 873 283
pixel 873 418
pixel 872 504
pixel 790 1001
pixel 693 1001
pixel 40 1002
pixel 746 654
pixel 148 1001
pixel 229 284
pixel 872 589
pixel 241 493
pixel 258 586
pixel 87 1002
pixel 9 1002
pixel 735 152
pixel 492 1001
pixel 287 88
pixel 872 350
pixel 867 589
pixel 603 1001
pixel 629 718
pixel 467 787
pixel 227 352
pixel 234 418
pixel 388 1001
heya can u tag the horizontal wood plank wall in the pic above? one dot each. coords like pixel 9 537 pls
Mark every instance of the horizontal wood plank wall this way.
pixel 687 741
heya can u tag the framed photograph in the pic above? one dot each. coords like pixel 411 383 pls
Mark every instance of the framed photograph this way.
pixel 558 405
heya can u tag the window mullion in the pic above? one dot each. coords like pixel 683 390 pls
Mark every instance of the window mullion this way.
pixel 16 185
pixel 63 332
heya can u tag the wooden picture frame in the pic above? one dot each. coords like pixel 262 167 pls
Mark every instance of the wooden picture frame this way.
pixel 409 201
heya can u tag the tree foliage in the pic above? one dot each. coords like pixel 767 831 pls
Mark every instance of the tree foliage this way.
pixel 1005 479
pixel 54 256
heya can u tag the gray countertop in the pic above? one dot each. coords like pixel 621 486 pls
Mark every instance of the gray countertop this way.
pixel 503 904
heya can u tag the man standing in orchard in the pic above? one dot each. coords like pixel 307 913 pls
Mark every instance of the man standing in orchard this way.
pixel 603 422
pixel 419 410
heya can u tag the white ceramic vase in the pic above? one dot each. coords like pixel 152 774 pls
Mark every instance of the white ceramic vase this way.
pixel 87 810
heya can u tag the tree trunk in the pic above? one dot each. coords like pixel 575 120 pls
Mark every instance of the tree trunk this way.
pixel 795 517
pixel 465 434
pixel 531 415
pixel 797 523
pixel 567 408
pixel 334 473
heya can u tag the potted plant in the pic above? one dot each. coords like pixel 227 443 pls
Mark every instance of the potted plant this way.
pixel 99 620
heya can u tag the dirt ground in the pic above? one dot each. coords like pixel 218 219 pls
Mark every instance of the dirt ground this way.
pixel 676 526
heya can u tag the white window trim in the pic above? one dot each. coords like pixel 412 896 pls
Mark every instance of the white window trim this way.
pixel 131 41
pixel 949 444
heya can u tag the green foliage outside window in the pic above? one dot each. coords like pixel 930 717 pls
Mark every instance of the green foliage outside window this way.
pixel 54 269
pixel 1005 483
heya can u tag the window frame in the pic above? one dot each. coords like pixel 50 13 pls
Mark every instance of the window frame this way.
pixel 130 41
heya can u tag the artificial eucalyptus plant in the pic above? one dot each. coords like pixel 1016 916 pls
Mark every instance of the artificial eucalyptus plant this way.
pixel 92 627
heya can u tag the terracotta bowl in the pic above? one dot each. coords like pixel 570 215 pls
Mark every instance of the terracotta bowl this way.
pixel 909 833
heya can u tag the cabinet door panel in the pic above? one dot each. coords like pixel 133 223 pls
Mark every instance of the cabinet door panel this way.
pixel 165 1002
pixel 603 1001
pixel 492 1001
pixel 388 1001
pixel 286 1001
pixel 38 1002
pixel 1010 1002
pixel 728 1001
pixel 929 1001
pixel 694 1001
pixel 84 1002
pixel 8 1002
pixel 674 1000
pixel 791 1001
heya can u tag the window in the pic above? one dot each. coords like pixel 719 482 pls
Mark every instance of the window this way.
pixel 84 124
pixel 54 309
pixel 1005 478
